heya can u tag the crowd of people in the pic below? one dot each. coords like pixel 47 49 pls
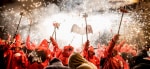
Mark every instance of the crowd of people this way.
pixel 14 54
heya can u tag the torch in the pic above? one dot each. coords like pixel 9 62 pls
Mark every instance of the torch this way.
pixel 56 26
pixel 123 11
pixel 85 15
pixel 21 14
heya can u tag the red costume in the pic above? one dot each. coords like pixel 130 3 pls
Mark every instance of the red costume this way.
pixel 92 58
pixel 56 51
pixel 114 61
pixel 65 54
pixel 124 64
pixel 30 46
pixel 18 58
pixel 44 47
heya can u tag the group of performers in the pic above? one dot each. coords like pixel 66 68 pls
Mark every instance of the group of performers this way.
pixel 28 55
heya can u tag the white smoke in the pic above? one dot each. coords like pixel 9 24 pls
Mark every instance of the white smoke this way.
pixel 68 13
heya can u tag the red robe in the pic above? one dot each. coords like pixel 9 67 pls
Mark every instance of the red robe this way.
pixel 8 56
pixel 56 51
pixel 111 62
pixel 125 65
pixel 18 61
pixel 30 46
pixel 35 66
pixel 93 59
pixel 64 57
pixel 44 47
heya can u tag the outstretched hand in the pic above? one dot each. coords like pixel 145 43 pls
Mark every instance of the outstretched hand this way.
pixel 116 38
pixel 87 43
pixel 51 38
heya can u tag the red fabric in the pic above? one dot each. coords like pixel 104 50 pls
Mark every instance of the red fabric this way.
pixel 56 51
pixel 85 49
pixel 8 54
pixel 2 42
pixel 111 62
pixel 18 40
pixel 100 52
pixel 43 45
pixel 95 60
pixel 118 47
pixel 17 44
pixel 35 66
pixel 65 54
pixel 91 49
pixel 18 37
pixel 125 65
pixel 30 46
pixel 133 52
pixel 63 59
pixel 45 63
pixel 18 60
pixel 49 54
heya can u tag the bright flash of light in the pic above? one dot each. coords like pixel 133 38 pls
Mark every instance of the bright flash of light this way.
pixel 44 17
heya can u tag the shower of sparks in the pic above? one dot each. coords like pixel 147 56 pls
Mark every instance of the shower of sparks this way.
pixel 68 13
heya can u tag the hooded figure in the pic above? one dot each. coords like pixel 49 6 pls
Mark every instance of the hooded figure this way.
pixel 92 58
pixel 44 53
pixel 56 51
pixel 76 61
pixel 30 46
pixel 89 54
pixel 67 51
pixel 111 62
pixel 18 59
pixel 55 63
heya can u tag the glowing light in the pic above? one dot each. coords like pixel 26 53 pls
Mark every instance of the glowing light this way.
pixel 43 18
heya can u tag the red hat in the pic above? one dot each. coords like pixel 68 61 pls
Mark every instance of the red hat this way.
pixel 18 40
pixel 68 48
pixel 43 45
pixel 91 49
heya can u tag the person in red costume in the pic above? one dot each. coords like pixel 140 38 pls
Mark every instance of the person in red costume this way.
pixel 18 58
pixel 112 61
pixel 118 56
pixel 32 64
pixel 7 53
pixel 64 56
pixel 44 52
pixel 56 50
pixel 29 45
pixel 89 54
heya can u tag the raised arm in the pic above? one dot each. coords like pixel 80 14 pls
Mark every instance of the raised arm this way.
pixel 86 45
pixel 112 43
pixel 120 45
pixel 54 43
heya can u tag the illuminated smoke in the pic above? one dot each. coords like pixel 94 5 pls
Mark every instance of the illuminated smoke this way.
pixel 69 12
